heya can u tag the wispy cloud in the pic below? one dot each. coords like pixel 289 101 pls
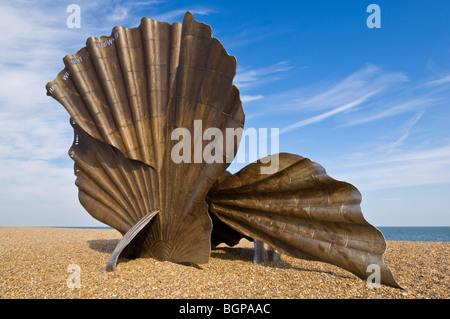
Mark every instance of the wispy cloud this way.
pixel 349 93
pixel 120 13
pixel 411 168
pixel 376 114
pixel 237 37
pixel 396 163
pixel 249 98
pixel 369 80
pixel 428 154
pixel 245 79
pixel 406 132
pixel 441 81
pixel 326 115
pixel 170 16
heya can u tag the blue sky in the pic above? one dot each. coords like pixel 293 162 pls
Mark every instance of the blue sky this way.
pixel 370 105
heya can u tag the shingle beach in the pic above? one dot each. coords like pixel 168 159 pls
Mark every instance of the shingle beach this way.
pixel 38 263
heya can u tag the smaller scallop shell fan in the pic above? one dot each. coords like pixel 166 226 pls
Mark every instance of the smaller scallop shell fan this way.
pixel 127 93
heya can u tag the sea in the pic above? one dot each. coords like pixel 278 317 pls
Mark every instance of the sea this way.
pixel 410 233
pixel 430 233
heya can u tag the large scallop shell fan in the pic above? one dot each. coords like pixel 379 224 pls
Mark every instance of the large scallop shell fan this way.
pixel 301 211
pixel 126 94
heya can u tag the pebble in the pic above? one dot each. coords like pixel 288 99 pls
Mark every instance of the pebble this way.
pixel 34 263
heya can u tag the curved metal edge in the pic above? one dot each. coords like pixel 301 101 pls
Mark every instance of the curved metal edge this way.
pixel 127 238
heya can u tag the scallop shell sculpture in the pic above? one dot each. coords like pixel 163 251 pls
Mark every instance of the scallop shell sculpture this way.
pixel 127 93
pixel 302 212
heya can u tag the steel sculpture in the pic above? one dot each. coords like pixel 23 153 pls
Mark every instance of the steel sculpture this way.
pixel 128 92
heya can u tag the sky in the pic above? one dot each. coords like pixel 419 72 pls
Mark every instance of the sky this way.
pixel 371 105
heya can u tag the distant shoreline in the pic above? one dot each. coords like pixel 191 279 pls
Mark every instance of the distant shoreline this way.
pixel 108 227
pixel 391 233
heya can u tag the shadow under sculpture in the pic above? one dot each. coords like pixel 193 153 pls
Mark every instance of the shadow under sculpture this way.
pixel 126 94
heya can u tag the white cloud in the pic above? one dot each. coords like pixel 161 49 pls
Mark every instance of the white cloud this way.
pixel 433 154
pixel 400 175
pixel 352 91
pixel 326 115
pixel 406 132
pixel 245 79
pixel 368 80
pixel 249 98
pixel 441 81
pixel 374 170
pixel 120 13
pixel 170 16
pixel 416 103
